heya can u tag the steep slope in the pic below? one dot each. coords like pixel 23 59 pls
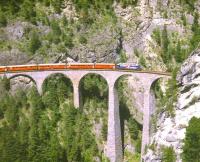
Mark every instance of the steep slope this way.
pixel 171 129
pixel 110 32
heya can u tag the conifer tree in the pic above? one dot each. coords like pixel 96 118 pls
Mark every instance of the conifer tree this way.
pixel 178 54
pixel 35 43
pixel 3 19
pixel 168 155
pixel 165 43
pixel 28 10
pixel 191 148
pixel 57 4
pixel 36 107
pixel 133 128
pixel 195 25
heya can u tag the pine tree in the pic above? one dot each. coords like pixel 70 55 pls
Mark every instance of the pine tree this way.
pixel 3 19
pixel 34 142
pixel 23 138
pixel 157 36
pixel 195 25
pixel 57 4
pixel 168 154
pixel 133 128
pixel 191 148
pixel 183 17
pixel 35 43
pixel 28 10
pixel 165 43
pixel 55 27
pixel 178 54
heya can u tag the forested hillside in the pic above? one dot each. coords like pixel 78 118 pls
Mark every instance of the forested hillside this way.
pixel 158 34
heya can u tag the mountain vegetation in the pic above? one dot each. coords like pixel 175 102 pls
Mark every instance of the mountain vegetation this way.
pixel 159 36
pixel 191 143
pixel 47 128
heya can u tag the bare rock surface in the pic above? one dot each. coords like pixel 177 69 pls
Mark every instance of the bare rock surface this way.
pixel 20 83
pixel 13 57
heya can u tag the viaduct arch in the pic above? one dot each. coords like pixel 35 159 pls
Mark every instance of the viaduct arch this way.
pixel 114 142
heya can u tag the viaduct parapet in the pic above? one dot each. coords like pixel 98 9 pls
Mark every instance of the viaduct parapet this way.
pixel 114 143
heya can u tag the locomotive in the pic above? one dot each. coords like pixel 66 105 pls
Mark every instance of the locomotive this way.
pixel 132 66
pixel 62 66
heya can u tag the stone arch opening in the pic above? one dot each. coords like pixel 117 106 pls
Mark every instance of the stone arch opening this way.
pixel 131 129
pixel 94 100
pixel 157 90
pixel 93 85
pixel 21 81
pixel 56 89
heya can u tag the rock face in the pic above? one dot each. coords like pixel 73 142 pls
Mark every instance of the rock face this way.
pixel 14 57
pixel 20 83
pixel 131 29
pixel 171 131
pixel 103 45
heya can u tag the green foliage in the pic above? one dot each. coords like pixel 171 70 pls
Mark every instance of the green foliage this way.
pixel 5 82
pixel 190 4
pixel 28 10
pixel 57 4
pixel 55 94
pixel 157 36
pixel 94 87
pixel 136 52
pixel 3 20
pixel 82 40
pixel 165 101
pixel 183 18
pixel 138 145
pixel 104 131
pixel 68 41
pixel 171 93
pixel 133 128
pixel 165 44
pixel 171 52
pixel 42 17
pixel 142 61
pixel 56 28
pixel 178 54
pixel 123 57
pixel 168 154
pixel 162 40
pixel 191 146
pixel 194 41
pixel 87 9
pixel 54 36
pixel 64 21
pixel 10 7
pixel 35 42
pixel 195 25
pixel 126 3
pixel 31 123
pixel 152 146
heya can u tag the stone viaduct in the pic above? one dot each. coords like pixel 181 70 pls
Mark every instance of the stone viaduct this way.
pixel 114 143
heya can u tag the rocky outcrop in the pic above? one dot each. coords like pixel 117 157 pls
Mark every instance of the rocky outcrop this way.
pixel 102 45
pixel 171 130
pixel 20 83
pixel 14 57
